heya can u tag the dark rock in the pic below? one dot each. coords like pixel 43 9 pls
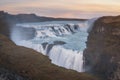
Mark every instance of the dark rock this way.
pixel 102 54
pixel 76 27
pixel 49 48
pixel 9 75
pixel 44 45
pixel 69 27
pixel 59 42
pixel 4 26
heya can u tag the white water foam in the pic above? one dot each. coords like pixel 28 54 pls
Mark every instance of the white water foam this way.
pixel 72 33
pixel 67 58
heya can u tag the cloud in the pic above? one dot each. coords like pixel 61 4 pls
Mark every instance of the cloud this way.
pixel 63 8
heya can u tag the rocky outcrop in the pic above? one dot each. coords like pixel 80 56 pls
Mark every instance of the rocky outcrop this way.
pixel 4 26
pixel 33 65
pixel 102 55
pixel 9 75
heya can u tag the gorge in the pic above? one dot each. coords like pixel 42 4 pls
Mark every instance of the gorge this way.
pixel 62 41
pixel 87 46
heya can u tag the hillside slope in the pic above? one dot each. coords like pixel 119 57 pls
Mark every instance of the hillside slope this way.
pixel 29 63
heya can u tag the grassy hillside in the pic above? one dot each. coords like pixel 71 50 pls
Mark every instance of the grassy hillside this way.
pixel 29 63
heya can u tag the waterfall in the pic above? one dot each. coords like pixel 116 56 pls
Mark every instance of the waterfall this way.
pixel 62 41
pixel 67 58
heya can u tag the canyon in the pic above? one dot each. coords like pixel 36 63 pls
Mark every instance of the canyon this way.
pixel 101 55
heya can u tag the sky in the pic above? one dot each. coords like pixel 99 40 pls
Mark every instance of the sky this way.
pixel 63 8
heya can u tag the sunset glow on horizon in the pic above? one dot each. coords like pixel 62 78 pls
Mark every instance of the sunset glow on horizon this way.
pixel 63 8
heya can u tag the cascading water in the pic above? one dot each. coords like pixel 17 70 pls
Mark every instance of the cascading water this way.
pixel 62 41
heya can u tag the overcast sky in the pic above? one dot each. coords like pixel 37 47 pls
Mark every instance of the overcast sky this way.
pixel 63 8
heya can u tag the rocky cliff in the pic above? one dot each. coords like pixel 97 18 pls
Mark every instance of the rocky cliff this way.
pixel 102 55
pixel 32 65
pixel 5 74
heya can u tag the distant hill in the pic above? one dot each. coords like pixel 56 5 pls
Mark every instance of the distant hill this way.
pixel 22 18
pixel 8 20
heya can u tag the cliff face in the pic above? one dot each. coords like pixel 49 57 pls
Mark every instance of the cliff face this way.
pixel 102 55
pixel 33 65
pixel 4 27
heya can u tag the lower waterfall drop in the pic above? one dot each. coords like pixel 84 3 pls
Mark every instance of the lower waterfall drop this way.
pixel 67 58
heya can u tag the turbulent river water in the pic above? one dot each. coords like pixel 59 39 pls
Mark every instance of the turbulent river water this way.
pixel 63 41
